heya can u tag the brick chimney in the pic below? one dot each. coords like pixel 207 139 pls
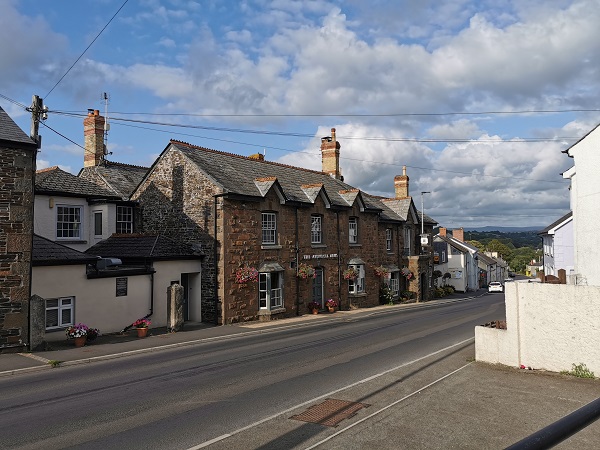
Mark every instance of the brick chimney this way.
pixel 330 156
pixel 401 184
pixel 93 134
pixel 257 156
pixel 442 232
pixel 459 234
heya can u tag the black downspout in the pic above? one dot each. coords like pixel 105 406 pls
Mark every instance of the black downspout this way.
pixel 339 262
pixel 297 263
pixel 215 249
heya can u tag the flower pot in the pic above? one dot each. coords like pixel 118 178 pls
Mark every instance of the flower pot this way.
pixel 80 341
pixel 142 332
pixel 315 311
pixel 331 309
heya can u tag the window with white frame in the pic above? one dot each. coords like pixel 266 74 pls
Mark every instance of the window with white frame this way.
pixel 269 228
pixel 316 231
pixel 59 312
pixel 270 290
pixel 394 282
pixel 388 239
pixel 407 240
pixel 356 286
pixel 98 223
pixel 124 219
pixel 353 230
pixel 68 222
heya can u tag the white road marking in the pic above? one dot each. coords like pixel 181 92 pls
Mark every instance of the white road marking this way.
pixel 365 380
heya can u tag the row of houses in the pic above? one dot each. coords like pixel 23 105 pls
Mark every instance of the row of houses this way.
pixel 245 238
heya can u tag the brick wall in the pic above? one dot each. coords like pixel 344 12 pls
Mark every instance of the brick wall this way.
pixel 16 228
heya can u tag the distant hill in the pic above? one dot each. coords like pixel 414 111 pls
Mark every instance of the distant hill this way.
pixel 506 229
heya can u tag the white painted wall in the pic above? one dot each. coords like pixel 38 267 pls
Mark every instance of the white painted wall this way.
pixel 96 303
pixel 45 220
pixel 585 199
pixel 564 251
pixel 549 326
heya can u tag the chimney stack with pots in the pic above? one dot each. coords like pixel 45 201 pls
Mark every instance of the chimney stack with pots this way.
pixel 330 156
pixel 93 133
pixel 442 232
pixel 458 234
pixel 401 184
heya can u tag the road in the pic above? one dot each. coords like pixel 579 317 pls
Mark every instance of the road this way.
pixel 191 396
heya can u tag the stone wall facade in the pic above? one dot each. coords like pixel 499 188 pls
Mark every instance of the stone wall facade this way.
pixel 17 167
pixel 178 199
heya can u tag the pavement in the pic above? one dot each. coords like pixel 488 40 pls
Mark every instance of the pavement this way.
pixel 479 406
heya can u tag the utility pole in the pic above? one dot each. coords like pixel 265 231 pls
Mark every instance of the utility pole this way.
pixel 38 112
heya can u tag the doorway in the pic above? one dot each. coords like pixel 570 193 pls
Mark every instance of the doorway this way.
pixel 317 287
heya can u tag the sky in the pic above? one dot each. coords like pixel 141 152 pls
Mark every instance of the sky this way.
pixel 477 99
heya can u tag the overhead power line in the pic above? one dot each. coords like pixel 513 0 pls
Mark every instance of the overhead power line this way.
pixel 86 49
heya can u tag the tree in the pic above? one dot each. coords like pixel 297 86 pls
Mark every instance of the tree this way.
pixel 496 246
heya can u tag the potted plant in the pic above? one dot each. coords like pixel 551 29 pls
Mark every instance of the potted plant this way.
pixel 246 274
pixel 142 326
pixel 331 305
pixel 92 334
pixel 381 272
pixel 314 307
pixel 305 271
pixel 406 273
pixel 350 273
pixel 78 333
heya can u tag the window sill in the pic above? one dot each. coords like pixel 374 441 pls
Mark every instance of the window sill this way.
pixel 360 294
pixel 71 241
pixel 270 312
pixel 270 247
pixel 318 245
pixel 355 245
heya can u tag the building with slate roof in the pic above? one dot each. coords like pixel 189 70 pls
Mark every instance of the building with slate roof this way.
pixel 458 258
pixel 558 246
pixel 17 167
pixel 277 222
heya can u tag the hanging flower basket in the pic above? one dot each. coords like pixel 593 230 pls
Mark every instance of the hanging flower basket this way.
pixel 350 274
pixel 381 272
pixel 245 275
pixel 305 271
pixel 406 273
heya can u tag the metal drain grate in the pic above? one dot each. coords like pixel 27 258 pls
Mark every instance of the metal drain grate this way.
pixel 330 412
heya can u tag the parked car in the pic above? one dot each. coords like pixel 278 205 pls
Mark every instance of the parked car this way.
pixel 495 286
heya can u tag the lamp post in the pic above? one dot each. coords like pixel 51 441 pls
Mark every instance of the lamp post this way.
pixel 423 212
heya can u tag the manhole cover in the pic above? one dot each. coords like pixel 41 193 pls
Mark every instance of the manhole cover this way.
pixel 330 412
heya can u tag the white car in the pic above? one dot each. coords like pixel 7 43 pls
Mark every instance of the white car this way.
pixel 495 286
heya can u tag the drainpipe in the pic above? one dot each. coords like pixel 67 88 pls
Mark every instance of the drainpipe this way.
pixel 215 249
pixel 297 263
pixel 339 262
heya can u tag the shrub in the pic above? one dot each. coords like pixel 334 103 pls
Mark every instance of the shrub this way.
pixel 386 296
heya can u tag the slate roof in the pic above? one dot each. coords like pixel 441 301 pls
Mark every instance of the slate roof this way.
pixel 487 259
pixel 459 245
pixel 120 179
pixel 56 181
pixel 49 253
pixel 10 133
pixel 237 174
pixel 556 223
pixel 147 246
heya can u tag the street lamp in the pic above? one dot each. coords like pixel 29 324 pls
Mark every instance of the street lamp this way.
pixel 423 212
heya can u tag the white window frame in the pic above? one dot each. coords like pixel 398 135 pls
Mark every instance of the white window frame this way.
pixel 270 290
pixel 357 286
pixel 69 227
pixel 269 228
pixel 353 230
pixel 62 304
pixel 393 282
pixel 124 223
pixel 388 239
pixel 316 229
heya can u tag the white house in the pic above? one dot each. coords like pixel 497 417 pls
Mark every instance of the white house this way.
pixel 557 243
pixel 457 258
pixel 585 198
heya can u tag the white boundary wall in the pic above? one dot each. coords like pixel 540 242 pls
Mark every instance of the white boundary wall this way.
pixel 549 326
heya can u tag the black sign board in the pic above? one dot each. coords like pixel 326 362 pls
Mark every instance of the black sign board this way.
pixel 121 287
